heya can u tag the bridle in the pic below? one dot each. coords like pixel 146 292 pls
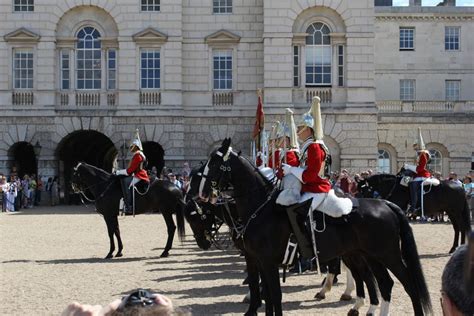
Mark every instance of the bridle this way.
pixel 224 168
pixel 81 190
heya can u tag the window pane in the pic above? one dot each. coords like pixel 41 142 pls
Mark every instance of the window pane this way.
pixel 88 56
pixel 23 69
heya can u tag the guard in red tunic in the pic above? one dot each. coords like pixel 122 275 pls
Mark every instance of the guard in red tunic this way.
pixel 422 160
pixel 135 169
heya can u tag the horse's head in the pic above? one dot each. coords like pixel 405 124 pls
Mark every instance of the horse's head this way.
pixel 84 176
pixel 217 170
pixel 407 171
pixel 201 220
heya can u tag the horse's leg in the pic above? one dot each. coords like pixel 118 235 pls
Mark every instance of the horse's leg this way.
pixel 455 223
pixel 356 273
pixel 117 234
pixel 171 228
pixel 334 268
pixel 110 231
pixel 254 287
pixel 350 286
pixel 385 284
pixel 272 287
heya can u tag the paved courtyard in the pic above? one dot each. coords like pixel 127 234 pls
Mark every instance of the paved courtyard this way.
pixel 50 257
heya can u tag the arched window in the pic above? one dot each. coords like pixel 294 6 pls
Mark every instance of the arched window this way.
pixel 436 163
pixel 318 55
pixel 383 161
pixel 88 59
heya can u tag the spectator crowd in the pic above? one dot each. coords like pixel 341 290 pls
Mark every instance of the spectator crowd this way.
pixel 27 192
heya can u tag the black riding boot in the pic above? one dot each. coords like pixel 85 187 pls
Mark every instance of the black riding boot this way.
pixel 414 185
pixel 297 216
pixel 127 197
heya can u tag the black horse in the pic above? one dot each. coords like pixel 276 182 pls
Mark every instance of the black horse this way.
pixel 378 230
pixel 205 218
pixel 161 196
pixel 447 197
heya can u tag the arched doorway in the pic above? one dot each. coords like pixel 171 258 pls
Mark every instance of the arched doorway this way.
pixel 87 146
pixel 155 155
pixel 22 159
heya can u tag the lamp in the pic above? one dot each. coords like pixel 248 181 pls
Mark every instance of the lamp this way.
pixel 37 149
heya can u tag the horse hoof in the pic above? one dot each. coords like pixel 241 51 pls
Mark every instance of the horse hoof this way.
pixel 118 255
pixel 345 297
pixel 109 256
pixel 165 254
pixel 250 314
pixel 353 312
pixel 320 296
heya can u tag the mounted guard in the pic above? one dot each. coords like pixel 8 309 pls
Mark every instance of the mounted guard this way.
pixel 422 159
pixel 136 168
pixel 315 161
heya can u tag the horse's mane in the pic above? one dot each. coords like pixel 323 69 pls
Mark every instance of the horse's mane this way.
pixel 382 177
pixel 261 177
pixel 96 170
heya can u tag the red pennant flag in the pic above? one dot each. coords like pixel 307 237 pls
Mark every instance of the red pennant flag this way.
pixel 259 120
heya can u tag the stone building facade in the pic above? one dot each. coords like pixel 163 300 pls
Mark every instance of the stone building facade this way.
pixel 79 76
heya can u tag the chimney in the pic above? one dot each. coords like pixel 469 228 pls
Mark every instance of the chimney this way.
pixel 415 3
pixel 383 3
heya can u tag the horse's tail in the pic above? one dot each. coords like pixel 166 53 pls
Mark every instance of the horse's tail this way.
pixel 180 218
pixel 465 224
pixel 412 260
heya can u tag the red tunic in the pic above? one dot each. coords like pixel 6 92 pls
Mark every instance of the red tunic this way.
pixel 312 182
pixel 291 159
pixel 135 167
pixel 421 167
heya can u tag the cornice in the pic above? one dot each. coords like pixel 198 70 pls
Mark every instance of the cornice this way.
pixel 22 35
pixel 424 17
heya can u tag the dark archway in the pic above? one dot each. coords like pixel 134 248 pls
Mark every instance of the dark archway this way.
pixel 87 146
pixel 22 159
pixel 155 155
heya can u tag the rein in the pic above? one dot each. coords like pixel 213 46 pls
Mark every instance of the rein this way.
pixel 94 185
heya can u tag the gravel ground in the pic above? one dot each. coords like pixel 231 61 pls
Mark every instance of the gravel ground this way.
pixel 51 256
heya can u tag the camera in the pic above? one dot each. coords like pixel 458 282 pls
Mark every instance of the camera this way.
pixel 138 298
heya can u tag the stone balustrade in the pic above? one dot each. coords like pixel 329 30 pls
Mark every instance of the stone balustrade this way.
pixel 150 98
pixel 223 98
pixel 22 97
pixel 81 99
pixel 325 94
pixel 425 106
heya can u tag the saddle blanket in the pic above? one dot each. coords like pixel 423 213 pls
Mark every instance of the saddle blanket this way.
pixel 328 203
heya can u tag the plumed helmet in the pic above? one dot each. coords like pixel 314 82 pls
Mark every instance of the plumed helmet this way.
pixel 136 140
pixel 419 141
pixel 273 134
pixel 313 119
pixel 290 121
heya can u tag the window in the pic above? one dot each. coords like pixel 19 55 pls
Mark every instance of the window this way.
pixel 112 69
pixel 88 58
pixel 340 66
pixel 23 5
pixel 407 35
pixel 150 69
pixel 296 68
pixel 451 37
pixel 407 90
pixel 150 5
pixel 383 161
pixel 222 70
pixel 453 88
pixel 318 55
pixel 65 69
pixel 23 69
pixel 222 6
pixel 436 161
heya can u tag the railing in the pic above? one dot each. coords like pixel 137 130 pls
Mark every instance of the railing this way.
pixel 325 94
pixel 150 98
pixel 22 98
pixel 223 98
pixel 87 99
pixel 425 106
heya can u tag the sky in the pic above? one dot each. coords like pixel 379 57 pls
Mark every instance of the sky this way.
pixel 460 3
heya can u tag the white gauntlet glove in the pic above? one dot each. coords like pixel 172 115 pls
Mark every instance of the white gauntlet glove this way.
pixel 286 169
pixel 121 172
